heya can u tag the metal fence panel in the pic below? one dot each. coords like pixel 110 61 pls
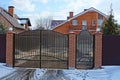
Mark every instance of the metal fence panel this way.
pixel 111 50
pixel 41 49
pixel 3 48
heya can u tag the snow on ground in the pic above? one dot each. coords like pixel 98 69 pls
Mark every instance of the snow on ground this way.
pixel 39 73
pixel 106 73
pixel 97 74
pixel 113 72
pixel 4 70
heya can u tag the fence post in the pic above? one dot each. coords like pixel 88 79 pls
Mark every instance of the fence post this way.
pixel 98 50
pixel 72 50
pixel 9 48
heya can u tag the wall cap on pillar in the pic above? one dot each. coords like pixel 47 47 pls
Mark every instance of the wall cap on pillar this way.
pixel 98 33
pixel 71 32
pixel 10 32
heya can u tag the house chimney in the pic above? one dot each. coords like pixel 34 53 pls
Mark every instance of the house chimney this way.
pixel 11 10
pixel 71 14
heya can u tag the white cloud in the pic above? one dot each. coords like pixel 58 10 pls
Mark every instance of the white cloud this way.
pixel 117 15
pixel 23 5
pixel 41 1
pixel 45 14
pixel 78 5
pixel 44 1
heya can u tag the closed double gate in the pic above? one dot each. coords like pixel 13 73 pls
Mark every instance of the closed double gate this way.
pixel 49 49
pixel 41 49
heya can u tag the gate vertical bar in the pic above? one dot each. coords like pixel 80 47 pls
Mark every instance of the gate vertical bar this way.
pixel 93 50
pixel 40 46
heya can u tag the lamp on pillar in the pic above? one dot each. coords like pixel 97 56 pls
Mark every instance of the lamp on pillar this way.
pixel 98 30
pixel 10 29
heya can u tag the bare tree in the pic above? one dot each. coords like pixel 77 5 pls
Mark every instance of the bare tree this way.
pixel 44 23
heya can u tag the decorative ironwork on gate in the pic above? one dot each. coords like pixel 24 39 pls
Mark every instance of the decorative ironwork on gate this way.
pixel 41 49
pixel 85 50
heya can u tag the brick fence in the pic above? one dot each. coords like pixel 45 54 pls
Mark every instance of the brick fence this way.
pixel 9 48
pixel 71 52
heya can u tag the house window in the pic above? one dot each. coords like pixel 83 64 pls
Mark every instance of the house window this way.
pixel 100 21
pixel 84 24
pixel 74 22
pixel 93 22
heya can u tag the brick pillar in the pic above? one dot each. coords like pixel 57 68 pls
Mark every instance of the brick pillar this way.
pixel 72 50
pixel 98 50
pixel 9 48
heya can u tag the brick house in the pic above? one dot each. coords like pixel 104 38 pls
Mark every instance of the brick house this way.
pixel 11 20
pixel 90 19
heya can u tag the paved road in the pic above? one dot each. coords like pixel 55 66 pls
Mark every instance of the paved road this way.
pixel 20 74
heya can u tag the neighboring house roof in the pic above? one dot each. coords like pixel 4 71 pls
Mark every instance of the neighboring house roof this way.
pixel 24 21
pixel 13 20
pixel 86 10
pixel 54 23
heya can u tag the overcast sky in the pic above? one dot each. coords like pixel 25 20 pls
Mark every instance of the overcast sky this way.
pixel 59 9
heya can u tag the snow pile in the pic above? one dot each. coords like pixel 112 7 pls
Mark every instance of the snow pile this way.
pixel 98 74
pixel 113 72
pixel 5 70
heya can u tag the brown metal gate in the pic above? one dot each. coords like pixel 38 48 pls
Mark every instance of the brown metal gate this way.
pixel 41 49
pixel 85 52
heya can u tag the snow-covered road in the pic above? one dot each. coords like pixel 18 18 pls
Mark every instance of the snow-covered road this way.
pixel 106 73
